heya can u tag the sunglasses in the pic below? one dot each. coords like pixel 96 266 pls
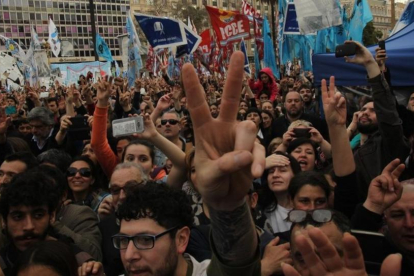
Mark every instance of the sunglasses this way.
pixel 171 121
pixel 84 172
pixel 318 215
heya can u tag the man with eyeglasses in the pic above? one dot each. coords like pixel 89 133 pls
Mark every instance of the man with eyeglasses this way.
pixel 331 223
pixel 124 174
pixel 42 122
pixel 154 235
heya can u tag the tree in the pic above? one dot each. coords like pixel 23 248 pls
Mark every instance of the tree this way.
pixel 370 35
pixel 199 16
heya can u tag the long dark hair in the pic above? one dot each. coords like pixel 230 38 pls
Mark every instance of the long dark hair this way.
pixel 267 199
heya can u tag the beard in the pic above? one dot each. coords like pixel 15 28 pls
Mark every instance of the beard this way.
pixel 170 263
pixel 294 113
pixel 367 128
pixel 38 236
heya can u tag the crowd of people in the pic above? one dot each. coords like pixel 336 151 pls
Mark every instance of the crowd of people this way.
pixel 240 175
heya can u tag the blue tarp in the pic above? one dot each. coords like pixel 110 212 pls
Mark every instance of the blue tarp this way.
pixel 400 53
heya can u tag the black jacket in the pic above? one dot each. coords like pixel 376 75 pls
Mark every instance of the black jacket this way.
pixel 386 144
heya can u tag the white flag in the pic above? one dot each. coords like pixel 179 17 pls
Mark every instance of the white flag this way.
pixel 67 49
pixel 53 40
pixel 35 39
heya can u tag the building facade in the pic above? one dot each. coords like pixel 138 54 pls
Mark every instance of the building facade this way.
pixel 73 20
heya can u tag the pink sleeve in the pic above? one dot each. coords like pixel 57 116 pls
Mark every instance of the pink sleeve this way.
pixel 99 142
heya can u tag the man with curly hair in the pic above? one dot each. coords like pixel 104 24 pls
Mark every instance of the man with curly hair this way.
pixel 155 220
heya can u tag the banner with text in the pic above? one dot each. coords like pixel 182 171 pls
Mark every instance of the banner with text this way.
pixel 229 26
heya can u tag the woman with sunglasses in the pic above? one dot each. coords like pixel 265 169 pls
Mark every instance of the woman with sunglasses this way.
pixel 83 186
pixel 274 198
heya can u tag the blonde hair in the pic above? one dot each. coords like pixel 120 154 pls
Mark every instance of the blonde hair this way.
pixel 298 123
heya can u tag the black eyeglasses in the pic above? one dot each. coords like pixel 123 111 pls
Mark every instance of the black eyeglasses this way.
pixel 84 172
pixel 141 241
pixel 318 215
pixel 171 121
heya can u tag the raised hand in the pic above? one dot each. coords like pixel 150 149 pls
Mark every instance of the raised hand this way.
pixel 65 123
pixel 104 90
pixel 385 189
pixel 362 55
pixel 5 121
pixel 327 261
pixel 149 128
pixel 288 137
pixel 164 102
pixel 227 158
pixel 316 136
pixel 334 104
pixel 380 56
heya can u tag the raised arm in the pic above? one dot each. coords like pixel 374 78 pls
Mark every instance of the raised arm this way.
pixel 99 142
pixel 226 159
pixel 334 106
pixel 393 145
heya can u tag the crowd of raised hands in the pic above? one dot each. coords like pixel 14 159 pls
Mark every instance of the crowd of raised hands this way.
pixel 248 175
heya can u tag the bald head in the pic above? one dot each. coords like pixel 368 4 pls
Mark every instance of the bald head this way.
pixel 400 219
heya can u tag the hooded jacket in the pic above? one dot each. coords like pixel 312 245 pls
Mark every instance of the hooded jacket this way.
pixel 259 86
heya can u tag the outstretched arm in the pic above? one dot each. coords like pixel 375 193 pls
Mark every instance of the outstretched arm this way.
pixel 226 159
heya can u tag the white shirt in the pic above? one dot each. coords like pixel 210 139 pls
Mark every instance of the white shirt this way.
pixel 41 144
pixel 277 219
pixel 199 269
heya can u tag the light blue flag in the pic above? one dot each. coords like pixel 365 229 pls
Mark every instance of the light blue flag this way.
pixel 246 59
pixel 309 41
pixel 134 57
pixel 171 64
pixel 269 58
pixel 257 67
pixel 361 15
pixel 134 41
pixel 321 41
pixel 280 38
pixel 407 17
pixel 117 69
pixel 342 30
pixel 286 46
pixel 102 48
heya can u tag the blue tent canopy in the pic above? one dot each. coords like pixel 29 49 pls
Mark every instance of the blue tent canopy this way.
pixel 400 53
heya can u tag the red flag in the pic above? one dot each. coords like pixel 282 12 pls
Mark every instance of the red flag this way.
pixel 229 26
pixel 257 20
pixel 205 44
pixel 149 65
pixel 248 9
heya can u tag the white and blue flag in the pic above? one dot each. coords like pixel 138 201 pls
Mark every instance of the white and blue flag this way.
pixel 193 41
pixel 407 17
pixel 53 40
